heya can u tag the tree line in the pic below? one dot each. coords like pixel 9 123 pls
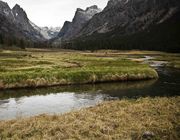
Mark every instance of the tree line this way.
pixel 6 41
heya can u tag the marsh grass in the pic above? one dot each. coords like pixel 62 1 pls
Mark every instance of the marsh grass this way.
pixel 121 119
pixel 173 60
pixel 34 68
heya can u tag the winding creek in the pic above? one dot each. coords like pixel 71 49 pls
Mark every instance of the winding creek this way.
pixel 57 100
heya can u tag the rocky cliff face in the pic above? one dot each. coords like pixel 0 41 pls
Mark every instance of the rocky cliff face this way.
pixel 8 28
pixel 6 18
pixel 6 11
pixel 16 23
pixel 66 27
pixel 130 16
pixel 71 29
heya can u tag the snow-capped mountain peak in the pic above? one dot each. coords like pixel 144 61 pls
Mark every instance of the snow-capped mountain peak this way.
pixel 46 32
pixel 50 32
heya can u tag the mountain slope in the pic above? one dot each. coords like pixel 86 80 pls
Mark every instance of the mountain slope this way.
pixel 132 24
pixel 70 29
pixel 9 29
pixel 131 16
pixel 161 37
pixel 15 23
pixel 6 18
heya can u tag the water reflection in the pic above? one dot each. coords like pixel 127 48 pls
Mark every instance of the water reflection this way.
pixel 78 89
pixel 30 102
pixel 51 103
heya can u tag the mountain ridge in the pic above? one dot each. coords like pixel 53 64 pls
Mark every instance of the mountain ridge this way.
pixel 119 24
pixel 16 24
pixel 81 17
pixel 131 24
pixel 131 15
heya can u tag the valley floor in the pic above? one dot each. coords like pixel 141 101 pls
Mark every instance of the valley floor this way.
pixel 144 118
pixel 45 67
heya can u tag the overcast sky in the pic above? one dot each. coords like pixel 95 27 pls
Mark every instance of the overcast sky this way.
pixel 53 12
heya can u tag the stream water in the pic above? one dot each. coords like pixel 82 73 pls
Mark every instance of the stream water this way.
pixel 57 100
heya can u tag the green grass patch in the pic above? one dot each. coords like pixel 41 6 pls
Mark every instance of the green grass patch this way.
pixel 47 68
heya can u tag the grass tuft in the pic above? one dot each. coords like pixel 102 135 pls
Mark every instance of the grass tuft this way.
pixel 122 119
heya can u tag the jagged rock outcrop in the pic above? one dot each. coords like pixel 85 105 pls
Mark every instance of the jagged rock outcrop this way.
pixel 14 22
pixel 7 27
pixel 71 29
pixel 130 16
pixel 6 11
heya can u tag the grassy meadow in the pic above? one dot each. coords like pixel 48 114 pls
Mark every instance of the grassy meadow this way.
pixel 43 67
pixel 127 119
pixel 145 118
pixel 172 59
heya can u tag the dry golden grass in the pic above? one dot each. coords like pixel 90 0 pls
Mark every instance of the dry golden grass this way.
pixel 118 120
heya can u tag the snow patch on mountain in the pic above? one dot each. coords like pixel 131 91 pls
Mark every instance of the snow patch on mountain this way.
pixel 50 32
pixel 47 32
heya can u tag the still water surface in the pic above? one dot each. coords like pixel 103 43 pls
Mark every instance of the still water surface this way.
pixel 57 100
